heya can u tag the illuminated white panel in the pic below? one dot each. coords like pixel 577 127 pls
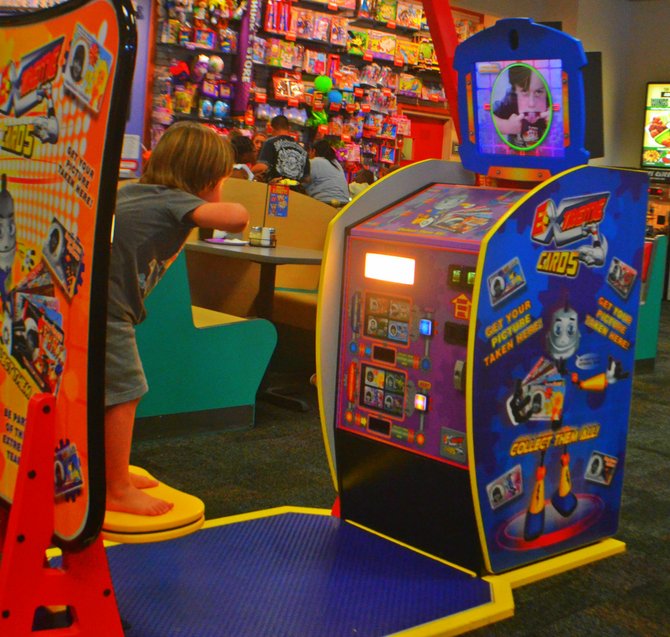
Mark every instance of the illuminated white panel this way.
pixel 385 267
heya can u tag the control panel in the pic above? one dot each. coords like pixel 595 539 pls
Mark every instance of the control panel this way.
pixel 403 347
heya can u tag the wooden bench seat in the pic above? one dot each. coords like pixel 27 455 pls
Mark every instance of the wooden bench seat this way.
pixel 296 308
pixel 202 317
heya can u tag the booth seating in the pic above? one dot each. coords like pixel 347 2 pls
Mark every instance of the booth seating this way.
pixel 204 367
pixel 229 285
pixel 297 286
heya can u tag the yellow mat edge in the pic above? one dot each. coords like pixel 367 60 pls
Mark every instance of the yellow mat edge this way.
pixel 388 538
pixel 263 513
pixel 500 607
pixel 562 563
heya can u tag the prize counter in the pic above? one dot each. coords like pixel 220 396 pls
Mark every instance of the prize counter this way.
pixel 467 341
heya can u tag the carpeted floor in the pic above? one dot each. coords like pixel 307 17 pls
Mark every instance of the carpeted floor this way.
pixel 281 461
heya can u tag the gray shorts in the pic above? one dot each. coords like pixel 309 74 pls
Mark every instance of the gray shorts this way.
pixel 124 376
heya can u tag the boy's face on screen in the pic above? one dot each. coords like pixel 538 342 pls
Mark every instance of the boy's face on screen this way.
pixel 532 100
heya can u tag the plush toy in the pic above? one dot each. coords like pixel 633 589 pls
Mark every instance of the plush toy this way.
pixel 200 14
pixel 335 97
pixel 180 8
pixel 215 65
pixel 318 118
pixel 199 69
pixel 323 84
pixel 221 109
pixel 206 108
pixel 239 8
pixel 180 73
pixel 217 10
pixel 263 111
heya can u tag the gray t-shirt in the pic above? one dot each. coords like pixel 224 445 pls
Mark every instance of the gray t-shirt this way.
pixel 149 231
pixel 328 181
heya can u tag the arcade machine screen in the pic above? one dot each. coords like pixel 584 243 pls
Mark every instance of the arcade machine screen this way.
pixel 520 108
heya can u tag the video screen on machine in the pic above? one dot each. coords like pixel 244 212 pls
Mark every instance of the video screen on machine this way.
pixel 656 141
pixel 387 318
pixel 383 390
pixel 520 108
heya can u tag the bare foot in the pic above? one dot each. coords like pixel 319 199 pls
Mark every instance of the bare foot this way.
pixel 134 500
pixel 142 482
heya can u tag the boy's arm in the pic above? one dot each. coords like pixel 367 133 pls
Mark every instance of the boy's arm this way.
pixel 307 173
pixel 228 216
pixel 259 168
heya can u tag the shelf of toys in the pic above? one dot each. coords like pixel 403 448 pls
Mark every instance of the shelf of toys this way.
pixel 341 69
pixel 196 45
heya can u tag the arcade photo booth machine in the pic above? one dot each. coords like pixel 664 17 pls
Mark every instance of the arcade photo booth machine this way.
pixel 468 398
pixel 468 340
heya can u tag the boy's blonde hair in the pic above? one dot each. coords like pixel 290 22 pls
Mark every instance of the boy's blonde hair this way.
pixel 190 157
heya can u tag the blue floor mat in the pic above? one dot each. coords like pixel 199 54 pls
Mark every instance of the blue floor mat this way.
pixel 286 575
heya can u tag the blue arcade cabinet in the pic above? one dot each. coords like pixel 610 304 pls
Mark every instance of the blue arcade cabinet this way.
pixel 476 398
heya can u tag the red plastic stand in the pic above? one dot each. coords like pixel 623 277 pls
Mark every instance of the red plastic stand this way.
pixel 27 582
pixel 443 33
pixel 335 510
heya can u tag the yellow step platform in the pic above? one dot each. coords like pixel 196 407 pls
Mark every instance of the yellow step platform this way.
pixel 187 516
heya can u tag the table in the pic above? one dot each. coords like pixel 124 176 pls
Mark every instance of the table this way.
pixel 268 258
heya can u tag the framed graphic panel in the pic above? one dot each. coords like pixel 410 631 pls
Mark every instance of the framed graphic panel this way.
pixel 65 77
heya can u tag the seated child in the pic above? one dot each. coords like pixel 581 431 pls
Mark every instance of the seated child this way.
pixel 362 180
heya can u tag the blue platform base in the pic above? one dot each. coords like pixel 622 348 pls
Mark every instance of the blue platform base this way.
pixel 290 574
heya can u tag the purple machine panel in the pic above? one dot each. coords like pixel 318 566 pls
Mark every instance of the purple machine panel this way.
pixel 404 334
